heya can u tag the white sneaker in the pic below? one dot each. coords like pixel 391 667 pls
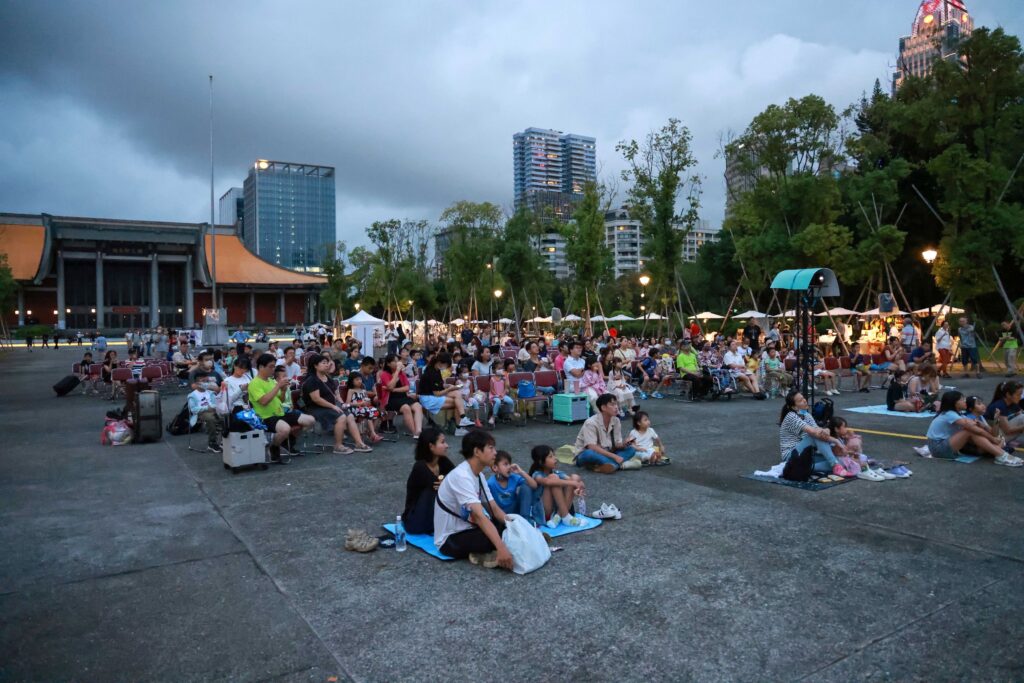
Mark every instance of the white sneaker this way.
pixel 461 431
pixel 553 522
pixel 869 475
pixel 607 511
pixel 923 451
pixel 1009 460
pixel 632 464
pixel 465 422
pixel 882 473
pixel 571 520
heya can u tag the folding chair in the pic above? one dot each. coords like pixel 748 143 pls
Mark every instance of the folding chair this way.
pixel 117 379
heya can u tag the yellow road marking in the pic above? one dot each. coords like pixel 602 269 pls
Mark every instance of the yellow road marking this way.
pixel 902 436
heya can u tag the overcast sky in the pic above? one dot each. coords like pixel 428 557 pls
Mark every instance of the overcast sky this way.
pixel 104 105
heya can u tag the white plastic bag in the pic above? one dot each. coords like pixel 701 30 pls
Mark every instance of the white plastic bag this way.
pixel 223 405
pixel 529 549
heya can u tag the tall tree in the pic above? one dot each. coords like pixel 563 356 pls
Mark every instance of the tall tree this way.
pixel 518 262
pixel 471 229
pixel 585 249
pixel 664 195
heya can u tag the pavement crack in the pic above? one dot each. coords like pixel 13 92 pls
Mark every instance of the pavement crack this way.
pixel 901 627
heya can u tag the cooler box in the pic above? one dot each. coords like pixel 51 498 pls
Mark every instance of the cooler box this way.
pixel 245 448
pixel 569 408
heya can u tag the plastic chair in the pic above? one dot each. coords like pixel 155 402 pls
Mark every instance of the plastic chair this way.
pixel 117 379
pixel 513 382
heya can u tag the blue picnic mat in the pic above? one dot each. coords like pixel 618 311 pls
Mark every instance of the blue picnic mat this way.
pixel 882 410
pixel 425 542
pixel 805 485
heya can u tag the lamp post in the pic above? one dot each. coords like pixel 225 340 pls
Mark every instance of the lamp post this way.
pixel 497 295
pixel 929 255
pixel 644 281
pixel 412 322
pixel 490 267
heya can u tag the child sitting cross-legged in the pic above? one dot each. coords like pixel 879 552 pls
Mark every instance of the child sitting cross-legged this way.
pixel 646 441
pixel 556 488
pixel 511 487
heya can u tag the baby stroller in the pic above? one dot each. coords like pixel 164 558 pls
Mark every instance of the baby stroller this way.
pixel 723 384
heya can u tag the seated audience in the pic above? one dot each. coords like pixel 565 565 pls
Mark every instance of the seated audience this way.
pixel 435 396
pixel 798 431
pixel 467 521
pixel 202 403
pixel 265 398
pixel 950 431
pixel 555 489
pixel 646 441
pixel 513 489
pixel 431 465
pixel 321 398
pixel 599 444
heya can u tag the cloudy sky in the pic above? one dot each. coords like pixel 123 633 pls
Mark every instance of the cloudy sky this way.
pixel 104 105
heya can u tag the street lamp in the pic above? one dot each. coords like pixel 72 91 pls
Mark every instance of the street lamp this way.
pixel 357 306
pixel 929 255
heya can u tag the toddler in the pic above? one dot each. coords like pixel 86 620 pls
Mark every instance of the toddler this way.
pixel 498 396
pixel 362 407
pixel 646 441
pixel 618 386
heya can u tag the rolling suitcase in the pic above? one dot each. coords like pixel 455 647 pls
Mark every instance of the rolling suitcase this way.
pixel 148 417
pixel 245 448
pixel 66 385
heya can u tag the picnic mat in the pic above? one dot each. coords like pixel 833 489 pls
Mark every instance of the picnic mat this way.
pixel 882 410
pixel 425 542
pixel 805 485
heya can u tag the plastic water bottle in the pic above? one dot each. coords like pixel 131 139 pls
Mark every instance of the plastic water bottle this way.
pixel 399 535
pixel 580 503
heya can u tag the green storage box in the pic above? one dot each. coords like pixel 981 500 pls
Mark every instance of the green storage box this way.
pixel 569 408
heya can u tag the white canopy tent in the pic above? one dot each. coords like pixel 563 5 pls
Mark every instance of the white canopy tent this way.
pixel 708 315
pixel 839 310
pixel 458 321
pixel 598 319
pixel 620 318
pixel 505 321
pixel 540 319
pixel 651 316
pixel 572 318
pixel 368 330
pixel 750 314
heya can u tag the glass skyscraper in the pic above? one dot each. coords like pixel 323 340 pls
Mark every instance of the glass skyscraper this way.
pixel 289 213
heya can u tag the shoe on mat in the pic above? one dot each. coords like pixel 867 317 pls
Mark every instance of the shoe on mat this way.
pixel 840 471
pixel 632 464
pixel 571 520
pixel 553 522
pixel 869 475
pixel 1009 460
pixel 485 560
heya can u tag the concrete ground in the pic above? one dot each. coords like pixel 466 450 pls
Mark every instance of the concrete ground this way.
pixel 151 562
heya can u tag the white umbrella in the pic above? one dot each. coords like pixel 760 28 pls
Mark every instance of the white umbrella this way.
pixel 938 310
pixel 539 319
pixel 597 319
pixel 572 318
pixel 620 318
pixel 505 321
pixel 651 316
pixel 708 315
pixel 875 311
pixel 750 314
pixel 458 321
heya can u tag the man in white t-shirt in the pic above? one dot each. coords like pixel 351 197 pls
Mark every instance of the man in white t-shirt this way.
pixel 467 520
pixel 735 361
pixel 292 368
pixel 573 367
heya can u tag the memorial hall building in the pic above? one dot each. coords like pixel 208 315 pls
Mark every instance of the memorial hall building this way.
pixel 98 273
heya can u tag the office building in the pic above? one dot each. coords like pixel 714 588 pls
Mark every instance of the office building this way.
pixel 935 35
pixel 625 239
pixel 289 213
pixel 232 209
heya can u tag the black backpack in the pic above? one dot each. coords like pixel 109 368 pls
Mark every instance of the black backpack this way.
pixel 823 411
pixel 799 465
pixel 179 425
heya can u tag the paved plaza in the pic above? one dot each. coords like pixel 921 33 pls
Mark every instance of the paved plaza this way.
pixel 151 562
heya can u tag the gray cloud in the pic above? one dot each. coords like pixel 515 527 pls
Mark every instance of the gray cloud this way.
pixel 105 104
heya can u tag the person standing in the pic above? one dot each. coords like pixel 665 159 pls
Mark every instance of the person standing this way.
pixel 969 348
pixel 46 340
pixel 1009 342
pixel 28 342
pixel 944 347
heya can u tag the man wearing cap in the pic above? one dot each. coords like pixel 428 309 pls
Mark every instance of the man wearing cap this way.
pixel 688 366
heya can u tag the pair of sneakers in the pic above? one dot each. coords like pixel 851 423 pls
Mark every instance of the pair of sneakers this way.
pixel 556 519
pixel 877 474
pixel 1009 460
pixel 607 511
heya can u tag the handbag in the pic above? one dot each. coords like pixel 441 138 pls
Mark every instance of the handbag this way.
pixel 526 389
pixel 529 550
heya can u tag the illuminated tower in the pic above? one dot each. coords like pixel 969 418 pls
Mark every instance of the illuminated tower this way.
pixel 938 28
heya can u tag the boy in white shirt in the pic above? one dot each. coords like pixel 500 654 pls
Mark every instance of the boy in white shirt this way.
pixel 202 408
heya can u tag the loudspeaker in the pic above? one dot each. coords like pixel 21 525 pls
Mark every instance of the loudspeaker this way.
pixel 886 303
pixel 556 315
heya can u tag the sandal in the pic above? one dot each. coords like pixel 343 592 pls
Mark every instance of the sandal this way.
pixel 360 541
pixel 344 450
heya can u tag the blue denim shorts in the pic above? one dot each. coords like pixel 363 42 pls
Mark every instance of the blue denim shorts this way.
pixel 940 448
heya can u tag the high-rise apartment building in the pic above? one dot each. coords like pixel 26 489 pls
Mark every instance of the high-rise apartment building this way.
pixel 624 237
pixel 938 28
pixel 289 213
pixel 550 171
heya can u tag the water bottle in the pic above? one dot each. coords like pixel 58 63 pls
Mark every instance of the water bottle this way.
pixel 580 503
pixel 399 535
